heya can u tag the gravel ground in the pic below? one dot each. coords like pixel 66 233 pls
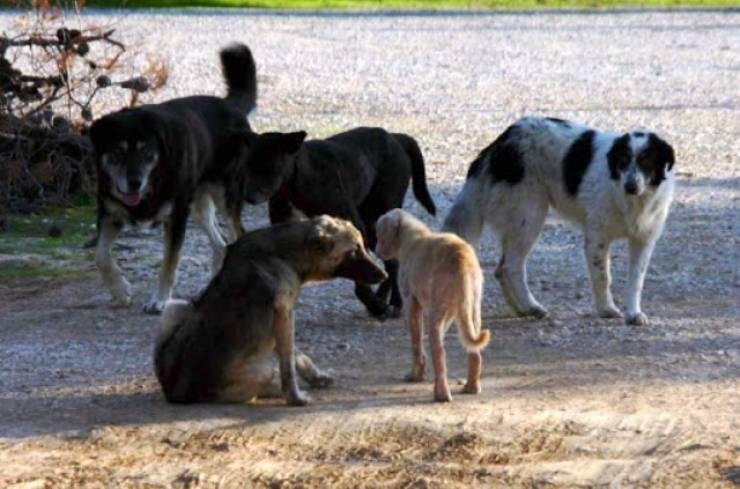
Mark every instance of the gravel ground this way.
pixel 569 401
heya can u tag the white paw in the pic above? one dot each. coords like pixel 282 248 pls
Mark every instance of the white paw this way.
pixel 636 319
pixel 155 305
pixel 609 312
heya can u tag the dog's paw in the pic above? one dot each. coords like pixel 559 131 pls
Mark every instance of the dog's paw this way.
pixel 609 312
pixel 536 311
pixel 321 381
pixel 121 294
pixel 297 398
pixel 442 394
pixel 473 388
pixel 636 319
pixel 155 306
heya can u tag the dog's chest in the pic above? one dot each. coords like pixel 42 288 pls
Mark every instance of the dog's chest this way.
pixel 143 214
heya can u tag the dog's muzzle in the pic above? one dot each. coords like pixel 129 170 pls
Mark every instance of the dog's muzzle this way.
pixel 361 268
pixel 631 187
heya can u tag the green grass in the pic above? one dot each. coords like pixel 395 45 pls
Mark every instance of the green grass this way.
pixel 410 4
pixel 29 251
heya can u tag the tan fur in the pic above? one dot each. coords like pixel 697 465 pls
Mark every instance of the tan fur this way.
pixel 439 274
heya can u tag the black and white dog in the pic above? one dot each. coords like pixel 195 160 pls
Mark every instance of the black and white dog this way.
pixel 156 161
pixel 613 185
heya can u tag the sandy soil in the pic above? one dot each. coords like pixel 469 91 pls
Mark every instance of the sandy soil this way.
pixel 570 401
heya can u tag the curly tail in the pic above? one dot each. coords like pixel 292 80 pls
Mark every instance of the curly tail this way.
pixel 418 174
pixel 240 73
pixel 470 324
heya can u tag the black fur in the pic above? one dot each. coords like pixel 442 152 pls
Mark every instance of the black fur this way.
pixel 619 156
pixel 577 160
pixel 657 157
pixel 357 175
pixel 174 147
pixel 505 163
pixel 559 121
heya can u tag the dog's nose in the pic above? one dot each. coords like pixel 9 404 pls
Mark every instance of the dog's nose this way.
pixel 134 183
pixel 630 188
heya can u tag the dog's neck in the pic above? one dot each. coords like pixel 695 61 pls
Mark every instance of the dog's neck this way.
pixel 291 176
pixel 411 231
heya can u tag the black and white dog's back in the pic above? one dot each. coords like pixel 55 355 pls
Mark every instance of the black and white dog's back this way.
pixel 613 185
pixel 155 161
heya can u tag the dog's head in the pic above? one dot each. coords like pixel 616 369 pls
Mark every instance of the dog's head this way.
pixel 339 251
pixel 639 162
pixel 128 148
pixel 388 231
pixel 270 161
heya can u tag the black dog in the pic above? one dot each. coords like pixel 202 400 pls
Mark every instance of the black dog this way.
pixel 154 161
pixel 358 175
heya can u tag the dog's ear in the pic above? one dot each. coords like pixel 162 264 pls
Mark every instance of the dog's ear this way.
pixel 663 158
pixel 319 242
pixel 292 141
pixel 619 155
pixel 664 151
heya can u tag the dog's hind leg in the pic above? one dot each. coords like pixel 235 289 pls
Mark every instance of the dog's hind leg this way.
pixel 174 234
pixel 205 216
pixel 640 253
pixel 415 321
pixel 438 324
pixel 518 236
pixel 309 372
pixel 115 282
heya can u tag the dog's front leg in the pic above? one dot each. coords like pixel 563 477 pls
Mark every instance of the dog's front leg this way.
pixel 174 234
pixel 640 253
pixel 597 258
pixel 108 230
pixel 284 345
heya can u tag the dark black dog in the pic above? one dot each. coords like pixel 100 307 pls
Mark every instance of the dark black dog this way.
pixel 358 175
pixel 154 161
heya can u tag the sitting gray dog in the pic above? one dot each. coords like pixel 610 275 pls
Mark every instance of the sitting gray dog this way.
pixel 220 346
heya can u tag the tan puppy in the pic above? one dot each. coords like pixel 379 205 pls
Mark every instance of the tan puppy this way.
pixel 439 274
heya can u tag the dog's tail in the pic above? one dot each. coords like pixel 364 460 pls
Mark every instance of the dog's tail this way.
pixel 472 336
pixel 418 174
pixel 240 73
pixel 465 218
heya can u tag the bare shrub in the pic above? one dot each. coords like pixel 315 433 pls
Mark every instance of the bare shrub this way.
pixel 50 76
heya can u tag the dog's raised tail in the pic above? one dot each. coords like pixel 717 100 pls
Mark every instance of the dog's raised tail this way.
pixel 418 173
pixel 240 74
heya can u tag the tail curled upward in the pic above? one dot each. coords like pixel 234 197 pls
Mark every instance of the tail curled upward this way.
pixel 240 73
pixel 418 174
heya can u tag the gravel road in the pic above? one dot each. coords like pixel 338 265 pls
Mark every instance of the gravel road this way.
pixel 571 401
